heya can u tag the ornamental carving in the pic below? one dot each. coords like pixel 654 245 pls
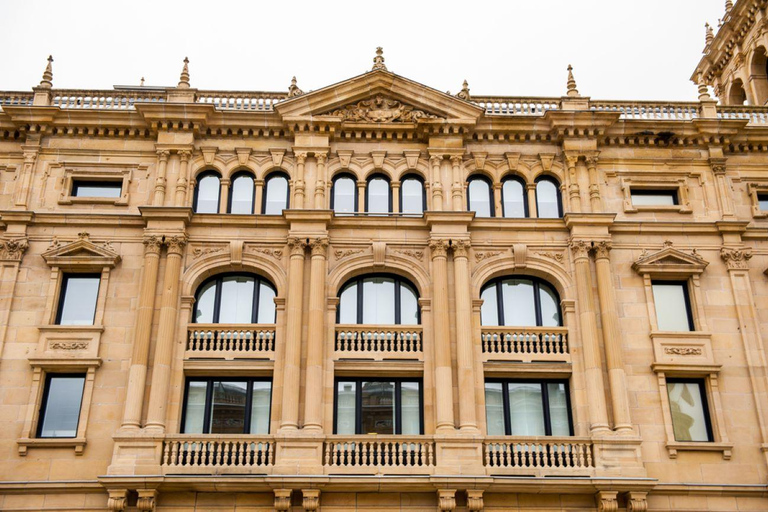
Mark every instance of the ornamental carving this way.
pixel 199 252
pixel 152 243
pixel 637 502
pixel 275 253
pixel 381 110
pixel 117 503
pixel 683 351
pixel 736 259
pixel 311 501
pixel 146 503
pixel 475 501
pixel 282 500
pixel 341 253
pixel 13 249
pixel 439 248
pixel 461 249
pixel 319 246
pixel 446 500
pixel 412 253
pixel 602 249
pixel 68 345
pixel 580 248
pixel 557 256
pixel 484 255
pixel 607 502
pixel 296 246
pixel 175 243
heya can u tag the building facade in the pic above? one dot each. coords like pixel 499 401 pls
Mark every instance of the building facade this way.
pixel 379 296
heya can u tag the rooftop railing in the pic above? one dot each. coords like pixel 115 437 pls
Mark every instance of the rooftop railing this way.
pixel 105 100
pixel 651 110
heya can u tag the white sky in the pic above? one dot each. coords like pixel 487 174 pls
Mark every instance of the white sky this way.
pixel 620 49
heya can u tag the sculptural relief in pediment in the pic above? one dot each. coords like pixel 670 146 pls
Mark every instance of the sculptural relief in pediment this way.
pixel 381 109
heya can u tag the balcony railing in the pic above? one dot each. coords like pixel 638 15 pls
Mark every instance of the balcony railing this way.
pixel 379 454
pixel 525 344
pixel 538 456
pixel 206 454
pixel 378 341
pixel 230 341
pixel 16 98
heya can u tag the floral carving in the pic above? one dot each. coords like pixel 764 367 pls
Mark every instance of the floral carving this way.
pixel 381 110
pixel 175 244
pixel 412 253
pixel 484 255
pixel 557 256
pixel 13 249
pixel 275 253
pixel 736 259
pixel 580 248
pixel 199 252
pixel 602 249
pixel 439 248
pixel 460 248
pixel 153 243
pixel 319 246
pixel 68 345
pixel 296 246
pixel 340 253
pixel 683 351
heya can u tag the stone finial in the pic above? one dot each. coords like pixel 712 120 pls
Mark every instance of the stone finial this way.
pixel 703 90
pixel 710 34
pixel 464 93
pixel 184 78
pixel 573 92
pixel 47 81
pixel 728 6
pixel 142 82
pixel 378 60
pixel 293 89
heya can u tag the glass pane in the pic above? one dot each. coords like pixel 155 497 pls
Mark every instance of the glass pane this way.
pixel 277 195
pixel 526 412
pixel 90 189
pixel 671 307
pixel 378 408
pixel 494 408
pixel 260 402
pixel 413 196
pixel 228 408
pixel 762 202
pixel 194 415
pixel 546 200
pixel 648 198
pixel 687 407
pixel 480 198
pixel 550 310
pixel 558 409
pixel 410 406
pixel 62 408
pixel 512 193
pixel 236 300
pixel 204 304
pixel 80 294
pixel 345 407
pixel 348 305
pixel 378 196
pixel 208 194
pixel 266 313
pixel 344 195
pixel 517 297
pixel 489 313
pixel 242 195
pixel 409 306
pixel 379 301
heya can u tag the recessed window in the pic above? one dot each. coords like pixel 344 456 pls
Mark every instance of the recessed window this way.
pixel 60 409
pixel 77 300
pixel 522 301
pixel 378 300
pixel 235 299
pixel 227 406
pixel 479 197
pixel 242 194
pixel 276 194
pixel 548 203
pixel 413 200
pixel 377 195
pixel 514 202
pixel 673 305
pixel 762 202
pixel 108 189
pixel 528 408
pixel 690 413
pixel 378 406
pixel 344 195
pixel 207 192
pixel 654 197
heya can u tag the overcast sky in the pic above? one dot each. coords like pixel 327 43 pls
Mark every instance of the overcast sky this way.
pixel 620 49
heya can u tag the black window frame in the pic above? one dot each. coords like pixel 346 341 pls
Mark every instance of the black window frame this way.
pixel 209 401
pixel 674 193
pixel 384 177
pixel 235 176
pixel 265 194
pixel 77 183
pixel 398 281
pixel 196 195
pixel 558 195
pixel 423 194
pixel 44 401
pixel 544 400
pixel 359 402
pixel 65 277
pixel 333 193
pixel 702 383
pixel 526 210
pixel 218 278
pixel 490 194
pixel 686 293
pixel 537 282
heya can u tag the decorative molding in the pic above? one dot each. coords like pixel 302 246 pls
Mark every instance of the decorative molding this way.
pixel 557 256
pixel 13 249
pixel 580 248
pixel 319 247
pixel 176 243
pixel 475 500
pixel 380 109
pixel 296 246
pixel 81 253
pixel 736 258
pixel 446 500
pixel 637 501
pixel 282 500
pixel 607 501
pixel 484 255
pixel 275 253
pixel 200 252
pixel 68 345
pixel 670 260
pixel 439 247
pixel 602 250
pixel 152 243
pixel 379 253
pixel 461 248
pixel 683 351
pixel 340 254
pixel 147 499
pixel 311 499
pixel 117 501
pixel 412 253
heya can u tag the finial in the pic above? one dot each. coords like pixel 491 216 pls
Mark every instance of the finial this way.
pixel 184 78
pixel 728 6
pixel 573 92
pixel 293 89
pixel 47 81
pixel 142 82
pixel 710 34
pixel 703 89
pixel 378 60
pixel 464 93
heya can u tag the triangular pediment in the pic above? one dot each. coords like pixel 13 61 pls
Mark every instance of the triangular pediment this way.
pixel 669 260
pixel 81 254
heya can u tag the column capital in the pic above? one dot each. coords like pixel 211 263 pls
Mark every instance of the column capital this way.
pixel 457 159
pixel 602 249
pixel 163 154
pixel 591 159
pixel 571 160
pixel 152 244
pixel 296 246
pixel 319 246
pixel 301 157
pixel 580 248
pixel 176 244
pixel 439 247
pixel 435 160
pixel 184 155
pixel 736 258
pixel 460 248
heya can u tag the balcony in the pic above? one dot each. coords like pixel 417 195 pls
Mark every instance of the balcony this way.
pixel 218 453
pixel 230 341
pixel 378 342
pixel 375 454
pixel 539 456
pixel 525 344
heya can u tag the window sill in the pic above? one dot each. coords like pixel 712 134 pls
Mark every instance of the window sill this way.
pixel 111 201
pixel 679 446
pixel 678 208
pixel 78 443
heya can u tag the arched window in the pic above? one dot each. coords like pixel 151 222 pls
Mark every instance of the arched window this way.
pixel 242 193
pixel 737 95
pixel 479 197
pixel 520 302
pixel 413 200
pixel 548 205
pixel 514 203
pixel 378 299
pixel 378 198
pixel 207 192
pixel 344 194
pixel 276 194
pixel 235 299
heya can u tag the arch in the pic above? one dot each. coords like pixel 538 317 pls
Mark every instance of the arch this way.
pixel 736 93
pixel 214 304
pixel 242 193
pixel 342 205
pixel 368 171
pixel 549 201
pixel 214 264
pixel 272 202
pixel 364 264
pixel 555 275
pixel 480 197
pixel 534 302
pixel 416 203
pixel 396 299
pixel 207 196
pixel 758 75
pixel 514 197
pixel 401 169
pixel 374 202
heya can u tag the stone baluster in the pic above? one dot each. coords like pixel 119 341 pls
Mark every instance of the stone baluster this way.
pixel 442 335
pixel 292 368
pixel 162 166
pixel 298 185
pixel 313 400
pixel 437 183
pixel 183 179
pixel 464 345
pixel 456 188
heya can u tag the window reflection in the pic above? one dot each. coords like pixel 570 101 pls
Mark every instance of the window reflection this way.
pixel 687 403
pixel 276 194
pixel 378 300
pixel 77 301
pixel 527 408
pixel 60 412
pixel 227 406
pixel 378 406
pixel 520 302
pixel 344 195
pixel 479 197
pixel 513 196
pixel 547 199
pixel 242 195
pixel 207 193
pixel 412 196
pixel 235 299
pixel 377 198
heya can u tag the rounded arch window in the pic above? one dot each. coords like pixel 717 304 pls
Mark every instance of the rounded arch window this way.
pixel 514 203
pixel 275 194
pixel 235 299
pixel 479 197
pixel 207 192
pixel 242 193
pixel 344 194
pixel 413 200
pixel 378 198
pixel 520 302
pixel 737 94
pixel 381 299
pixel 548 205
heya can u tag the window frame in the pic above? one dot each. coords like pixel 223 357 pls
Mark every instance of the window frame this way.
pixel 702 384
pixel 233 179
pixel 685 284
pixel 384 177
pixel 44 402
pixel 558 196
pixel 218 278
pixel 269 177
pixel 360 299
pixel 63 293
pixel 526 209
pixel 544 400
pixel 418 178
pixel 536 281
pixel 674 192
pixel 491 198
pixel 359 400
pixel 80 182
pixel 196 195
pixel 333 193
pixel 209 401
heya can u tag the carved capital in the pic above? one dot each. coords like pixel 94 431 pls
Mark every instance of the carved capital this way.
pixel 175 244
pixel 602 250
pixel 311 501
pixel 282 500
pixel 146 501
pixel 435 160
pixel 607 502
pixel 184 155
pixel 163 154
pixel 446 499
pixel 457 160
pixel 460 248
pixel 439 248
pixel 301 157
pixel 117 500
pixel 296 246
pixel 321 158
pixel 637 502
pixel 718 168
pixel 319 247
pixel 13 249
pixel 152 244
pixel 591 161
pixel 475 501
pixel 580 248
pixel 571 160
pixel 736 259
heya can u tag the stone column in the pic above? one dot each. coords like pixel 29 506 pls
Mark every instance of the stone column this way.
pixel 259 196
pixel 497 199
pixel 395 188
pixel 622 420
pixel 533 208
pixel 598 415
pixel 161 369
pixel 298 185
pixel 313 399
pixel 162 165
pixel 361 195
pixel 137 374
pixel 442 336
pixel 437 184
pixel 595 202
pixel 464 346
pixel 181 181
pixel 292 368
pixel 456 189
pixel 574 194
pixel 320 181
pixel 721 186
pixel 224 194
pixel 24 183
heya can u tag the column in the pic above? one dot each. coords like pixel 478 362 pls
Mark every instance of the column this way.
pixel 313 400
pixel 437 185
pixel 721 186
pixel 533 208
pixel 594 186
pixel 464 346
pixel 224 190
pixel 161 369
pixel 442 336
pixel 574 199
pixel 259 186
pixel 11 252
pixel 457 188
pixel 137 374
pixel 24 183
pixel 622 421
pixel 298 185
pixel 181 181
pixel 162 165
pixel 497 193
pixel 395 191
pixel 598 416
pixel 361 195
pixel 320 181
pixel 292 367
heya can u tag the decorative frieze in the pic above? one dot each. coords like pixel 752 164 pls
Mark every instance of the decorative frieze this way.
pixel 683 351
pixel 200 252
pixel 556 256
pixel 340 254
pixel 381 109
pixel 411 253
pixel 484 255
pixel 274 253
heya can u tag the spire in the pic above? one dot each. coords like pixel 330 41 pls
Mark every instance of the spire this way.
pixel 142 82
pixel 378 60
pixel 573 92
pixel 710 34
pixel 464 93
pixel 184 78
pixel 47 81
pixel 293 89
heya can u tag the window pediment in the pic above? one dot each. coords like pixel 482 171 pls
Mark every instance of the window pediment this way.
pixel 670 261
pixel 81 254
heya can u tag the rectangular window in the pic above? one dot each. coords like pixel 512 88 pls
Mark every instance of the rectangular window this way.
pixel 762 202
pixel 673 306
pixel 60 408
pixel 379 406
pixel 81 188
pixel 654 197
pixel 690 414
pixel 77 300
pixel 227 406
pixel 528 408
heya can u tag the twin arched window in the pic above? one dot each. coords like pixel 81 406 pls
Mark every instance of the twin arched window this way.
pixel 378 299
pixel 242 193
pixel 520 302
pixel 378 195
pixel 235 299
pixel 514 198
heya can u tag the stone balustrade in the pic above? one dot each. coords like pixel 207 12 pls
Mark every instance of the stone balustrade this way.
pixel 511 106
pixel 378 341
pixel 237 100
pixel 652 110
pixel 105 100
pixel 16 98
pixel 525 344
pixel 538 456
pixel 379 454
pixel 215 453
pixel 230 341
pixel 754 114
